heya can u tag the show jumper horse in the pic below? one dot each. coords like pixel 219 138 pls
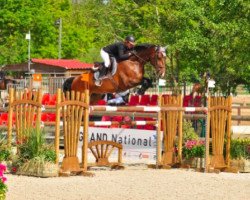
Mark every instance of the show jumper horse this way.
pixel 130 73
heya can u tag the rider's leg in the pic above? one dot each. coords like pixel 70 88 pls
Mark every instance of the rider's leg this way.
pixel 105 57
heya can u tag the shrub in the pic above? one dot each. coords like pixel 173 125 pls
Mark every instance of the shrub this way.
pixel 35 146
pixel 5 151
pixel 189 132
pixel 240 148
pixel 193 148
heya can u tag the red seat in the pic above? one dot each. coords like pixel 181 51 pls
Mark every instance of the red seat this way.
pixel 117 118
pixel 145 99
pixel 44 117
pixel 45 98
pixel 4 118
pixel 52 117
pixel 149 127
pixel 154 100
pixel 106 118
pixel 134 100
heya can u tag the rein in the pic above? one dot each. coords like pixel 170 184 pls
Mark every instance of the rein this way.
pixel 139 57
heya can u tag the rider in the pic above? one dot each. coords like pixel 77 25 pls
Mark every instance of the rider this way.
pixel 119 50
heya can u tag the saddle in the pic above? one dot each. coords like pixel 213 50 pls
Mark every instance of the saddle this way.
pixel 104 72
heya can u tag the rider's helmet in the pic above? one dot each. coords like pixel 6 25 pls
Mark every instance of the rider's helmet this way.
pixel 130 39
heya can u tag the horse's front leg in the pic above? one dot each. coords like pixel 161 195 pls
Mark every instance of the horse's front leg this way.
pixel 145 84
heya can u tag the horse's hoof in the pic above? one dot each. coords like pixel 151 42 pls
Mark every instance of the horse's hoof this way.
pixel 98 83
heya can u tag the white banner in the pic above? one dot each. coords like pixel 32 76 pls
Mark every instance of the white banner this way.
pixel 139 146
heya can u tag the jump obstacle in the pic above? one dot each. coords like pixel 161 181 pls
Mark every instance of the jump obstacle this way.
pixel 75 113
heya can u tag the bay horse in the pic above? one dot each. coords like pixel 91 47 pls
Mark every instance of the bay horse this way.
pixel 130 73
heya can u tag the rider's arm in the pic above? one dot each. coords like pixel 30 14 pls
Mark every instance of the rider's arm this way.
pixel 121 54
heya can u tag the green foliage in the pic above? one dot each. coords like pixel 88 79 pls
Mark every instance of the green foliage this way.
pixel 201 35
pixel 35 146
pixel 240 148
pixel 193 148
pixel 5 151
pixel 188 131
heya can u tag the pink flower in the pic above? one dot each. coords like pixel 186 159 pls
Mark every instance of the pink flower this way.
pixel 2 167
pixel 202 142
pixel 3 179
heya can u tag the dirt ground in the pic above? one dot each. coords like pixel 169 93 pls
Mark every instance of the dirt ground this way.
pixel 133 183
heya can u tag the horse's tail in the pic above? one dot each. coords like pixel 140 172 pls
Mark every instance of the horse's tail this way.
pixel 67 84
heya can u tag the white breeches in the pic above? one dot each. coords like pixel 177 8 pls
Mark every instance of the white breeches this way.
pixel 105 57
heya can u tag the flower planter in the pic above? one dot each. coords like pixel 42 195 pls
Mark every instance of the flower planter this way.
pixel 242 164
pixel 39 169
pixel 197 163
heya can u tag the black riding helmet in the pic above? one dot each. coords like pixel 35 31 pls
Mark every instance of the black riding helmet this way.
pixel 130 38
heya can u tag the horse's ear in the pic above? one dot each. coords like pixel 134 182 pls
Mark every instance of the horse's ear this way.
pixel 166 48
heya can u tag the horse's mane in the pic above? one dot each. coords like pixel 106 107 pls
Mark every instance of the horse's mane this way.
pixel 141 47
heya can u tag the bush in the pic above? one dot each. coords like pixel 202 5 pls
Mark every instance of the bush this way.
pixel 5 151
pixel 193 148
pixel 240 148
pixel 35 146
pixel 189 132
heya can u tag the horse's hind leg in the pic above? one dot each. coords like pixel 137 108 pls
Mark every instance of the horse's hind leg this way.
pixel 67 84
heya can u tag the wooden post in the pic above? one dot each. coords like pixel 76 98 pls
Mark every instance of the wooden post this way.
pixel 207 138
pixel 10 113
pixel 57 128
pixel 229 124
pixel 85 133
pixel 180 120
pixel 159 147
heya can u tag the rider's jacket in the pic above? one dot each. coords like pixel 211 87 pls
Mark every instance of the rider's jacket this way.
pixel 117 50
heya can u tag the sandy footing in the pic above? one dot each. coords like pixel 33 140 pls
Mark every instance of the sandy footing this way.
pixel 134 183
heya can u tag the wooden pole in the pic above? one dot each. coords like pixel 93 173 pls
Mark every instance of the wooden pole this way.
pixel 180 119
pixel 85 133
pixel 10 113
pixel 159 147
pixel 207 138
pixel 229 124
pixel 57 129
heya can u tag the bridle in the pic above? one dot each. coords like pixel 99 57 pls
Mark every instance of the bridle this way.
pixel 158 49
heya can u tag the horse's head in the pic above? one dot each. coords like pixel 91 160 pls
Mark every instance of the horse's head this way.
pixel 158 60
pixel 156 55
